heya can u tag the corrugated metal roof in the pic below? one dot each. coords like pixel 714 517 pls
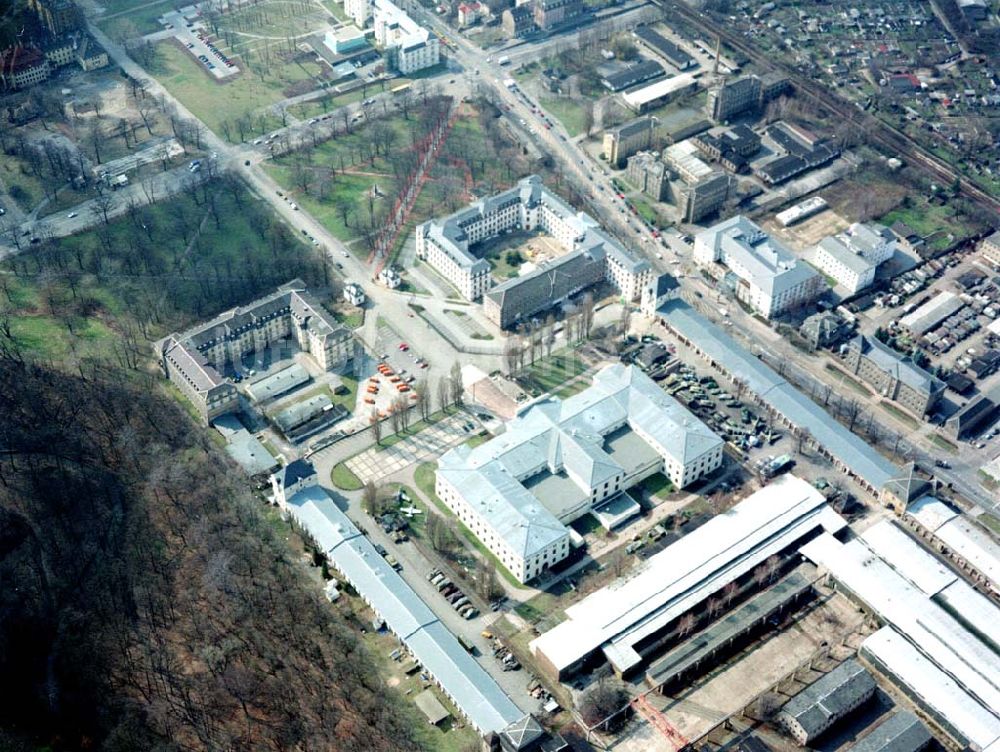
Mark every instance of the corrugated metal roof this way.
pixel 934 689
pixel 831 696
pixel 900 732
pixel 913 614
pixel 688 571
pixel 468 685
pixel 853 452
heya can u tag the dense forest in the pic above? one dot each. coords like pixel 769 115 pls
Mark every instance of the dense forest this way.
pixel 145 600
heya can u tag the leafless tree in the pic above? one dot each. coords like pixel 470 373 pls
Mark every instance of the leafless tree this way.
pixel 455 382
pixel 376 426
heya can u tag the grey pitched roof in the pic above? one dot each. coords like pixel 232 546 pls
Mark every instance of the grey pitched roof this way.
pixel 465 682
pixel 556 436
pixel 295 471
pixel 831 696
pixel 901 732
pixel 900 367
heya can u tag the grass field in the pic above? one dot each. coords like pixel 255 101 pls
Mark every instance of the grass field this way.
pixel 343 478
pixel 567 111
pixel 547 374
pixel 942 443
pixel 127 19
pixel 932 220
pixel 334 180
pixel 219 105
pixel 424 477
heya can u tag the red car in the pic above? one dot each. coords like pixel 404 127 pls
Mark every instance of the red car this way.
pixel 403 346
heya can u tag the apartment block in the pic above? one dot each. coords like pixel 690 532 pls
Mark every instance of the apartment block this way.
pixel 853 256
pixel 762 272
pixel 637 135
pixel 893 375
pixel 408 46
pixel 649 175
pixel 195 360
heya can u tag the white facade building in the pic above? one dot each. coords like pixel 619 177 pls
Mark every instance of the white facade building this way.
pixel 445 243
pixel 354 294
pixel 767 277
pixel 409 47
pixel 561 459
pixel 853 256
pixel 359 11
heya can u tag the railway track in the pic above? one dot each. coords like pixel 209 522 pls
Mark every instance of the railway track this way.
pixel 878 131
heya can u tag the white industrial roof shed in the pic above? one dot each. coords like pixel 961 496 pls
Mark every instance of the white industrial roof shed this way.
pixel 684 574
pixel 942 638
pixel 963 537
pixel 933 577
pixel 466 683
pixel 932 313
pixel 950 705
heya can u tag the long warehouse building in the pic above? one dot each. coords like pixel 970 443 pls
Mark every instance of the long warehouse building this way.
pixel 616 620
pixel 465 682
pixel 848 451
pixel 968 545
pixel 939 627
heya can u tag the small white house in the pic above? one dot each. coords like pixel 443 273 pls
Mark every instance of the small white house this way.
pixel 354 294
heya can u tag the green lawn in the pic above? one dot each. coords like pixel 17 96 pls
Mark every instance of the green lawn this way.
pixel 657 485
pixel 548 373
pixel 128 19
pixel 219 105
pixel 942 443
pixel 424 477
pixel 343 478
pixel 899 415
pixel 930 219
pixel 567 111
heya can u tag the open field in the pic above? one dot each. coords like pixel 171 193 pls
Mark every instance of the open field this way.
pixel 335 180
pixel 220 104
pixel 567 111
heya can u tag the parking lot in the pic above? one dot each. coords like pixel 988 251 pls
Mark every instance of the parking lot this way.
pixel 199 43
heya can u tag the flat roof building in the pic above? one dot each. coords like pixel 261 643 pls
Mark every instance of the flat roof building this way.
pixel 827 700
pixel 615 622
pixel 561 459
pixel 853 256
pixel 933 312
pixel 967 544
pixel 765 274
pixel 409 46
pixel 660 92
